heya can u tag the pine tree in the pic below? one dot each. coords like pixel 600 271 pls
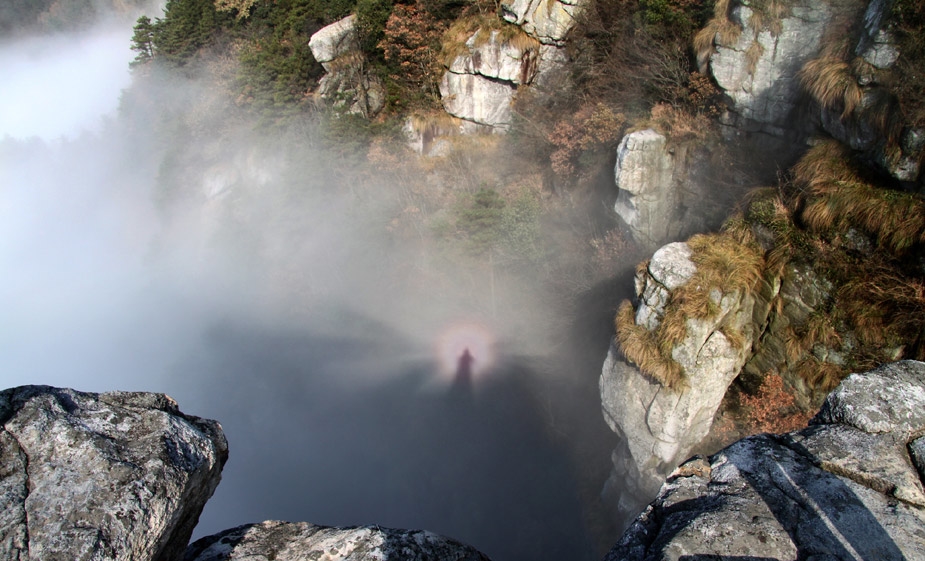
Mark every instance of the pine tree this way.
pixel 143 41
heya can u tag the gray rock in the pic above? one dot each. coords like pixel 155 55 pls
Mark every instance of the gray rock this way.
pixel 830 491
pixel 102 476
pixel 766 92
pixel 661 426
pixel 646 195
pixel 284 541
pixel 890 399
pixel 334 40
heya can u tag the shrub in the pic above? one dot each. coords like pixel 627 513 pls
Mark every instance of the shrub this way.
pixel 773 408
pixel 594 127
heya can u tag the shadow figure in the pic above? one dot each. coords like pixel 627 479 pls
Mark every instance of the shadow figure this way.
pixel 462 382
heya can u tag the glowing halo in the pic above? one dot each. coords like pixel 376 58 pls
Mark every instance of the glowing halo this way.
pixel 452 342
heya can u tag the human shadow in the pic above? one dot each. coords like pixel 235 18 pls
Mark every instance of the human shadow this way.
pixel 330 430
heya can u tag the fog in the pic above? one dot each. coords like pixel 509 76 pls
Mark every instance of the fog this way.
pixel 268 295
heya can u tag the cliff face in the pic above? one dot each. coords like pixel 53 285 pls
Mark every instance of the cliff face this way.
pixel 849 486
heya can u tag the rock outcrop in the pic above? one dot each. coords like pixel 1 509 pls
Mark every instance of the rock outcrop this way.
pixel 647 200
pixel 660 426
pixel 118 475
pixel 548 20
pixel 480 83
pixel 758 70
pixel 847 487
pixel 345 85
pixel 284 541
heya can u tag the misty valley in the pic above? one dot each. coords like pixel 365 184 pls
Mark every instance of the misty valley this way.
pixel 462 279
pixel 278 282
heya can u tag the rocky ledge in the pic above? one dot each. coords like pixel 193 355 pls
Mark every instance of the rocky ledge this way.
pixel 847 487
pixel 117 475
pixel 285 541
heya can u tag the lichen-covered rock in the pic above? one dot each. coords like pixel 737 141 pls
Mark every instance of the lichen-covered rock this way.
pixel 646 198
pixel 661 426
pixel 759 70
pixel 285 541
pixel 547 20
pixel 117 475
pixel 830 491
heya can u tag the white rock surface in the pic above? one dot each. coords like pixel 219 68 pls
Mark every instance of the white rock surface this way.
pixel 662 426
pixel 334 40
pixel 547 20
pixel 766 98
pixel 477 99
pixel 497 59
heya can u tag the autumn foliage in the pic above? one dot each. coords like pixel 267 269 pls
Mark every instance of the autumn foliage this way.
pixel 773 408
pixel 411 46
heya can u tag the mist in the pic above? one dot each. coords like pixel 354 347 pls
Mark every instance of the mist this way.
pixel 259 284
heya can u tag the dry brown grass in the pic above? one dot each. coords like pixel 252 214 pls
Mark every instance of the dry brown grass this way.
pixel 886 307
pixel 825 163
pixel 482 27
pixel 752 56
pixel 830 81
pixel 895 219
pixel 820 376
pixel 640 346
pixel 724 263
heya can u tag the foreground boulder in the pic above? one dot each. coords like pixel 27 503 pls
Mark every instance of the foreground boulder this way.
pixel 120 475
pixel 285 541
pixel 847 487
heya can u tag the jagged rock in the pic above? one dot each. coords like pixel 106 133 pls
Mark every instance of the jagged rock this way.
pixel 334 40
pixel 830 491
pixel 284 541
pixel 117 475
pixel 877 45
pixel 764 88
pixel 350 89
pixel 662 426
pixel 346 85
pixel 646 198
pixel 547 20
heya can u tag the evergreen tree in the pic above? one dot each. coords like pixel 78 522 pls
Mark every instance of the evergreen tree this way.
pixel 143 41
